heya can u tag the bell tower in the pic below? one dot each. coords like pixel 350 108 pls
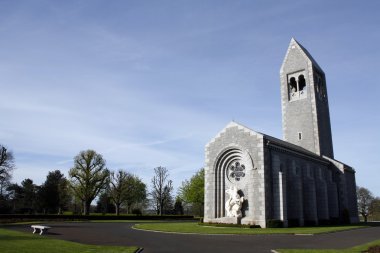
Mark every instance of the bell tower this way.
pixel 305 108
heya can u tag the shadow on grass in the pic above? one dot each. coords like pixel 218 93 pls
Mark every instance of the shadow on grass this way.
pixel 18 237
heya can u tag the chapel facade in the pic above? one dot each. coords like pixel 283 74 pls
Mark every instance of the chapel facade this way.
pixel 253 178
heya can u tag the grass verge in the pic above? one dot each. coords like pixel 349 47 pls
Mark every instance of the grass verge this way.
pixel 356 249
pixel 18 242
pixel 122 221
pixel 192 227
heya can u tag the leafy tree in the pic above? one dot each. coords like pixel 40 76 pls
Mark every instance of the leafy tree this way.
pixel 374 208
pixel 29 194
pixel 6 167
pixel 23 197
pixel 104 204
pixel 89 177
pixel 15 195
pixel 161 189
pixel 126 190
pixel 178 207
pixel 64 195
pixel 136 194
pixel 193 191
pixel 54 193
pixel 365 197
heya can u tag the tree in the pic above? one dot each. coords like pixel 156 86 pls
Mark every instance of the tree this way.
pixel 161 189
pixel 178 208
pixel 193 191
pixel 64 195
pixel 23 197
pixel 29 190
pixel 374 208
pixel 365 197
pixel 15 195
pixel 126 189
pixel 136 193
pixel 6 167
pixel 119 188
pixel 104 204
pixel 5 181
pixel 54 193
pixel 89 177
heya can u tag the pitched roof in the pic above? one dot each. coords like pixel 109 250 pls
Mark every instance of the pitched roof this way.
pixel 294 42
pixel 273 141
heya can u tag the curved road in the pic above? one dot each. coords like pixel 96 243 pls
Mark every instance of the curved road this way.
pixel 123 234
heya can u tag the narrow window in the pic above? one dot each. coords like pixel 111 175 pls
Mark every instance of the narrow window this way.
pixel 301 82
pixel 293 85
pixel 299 136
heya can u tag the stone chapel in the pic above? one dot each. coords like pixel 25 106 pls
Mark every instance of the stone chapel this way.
pixel 253 178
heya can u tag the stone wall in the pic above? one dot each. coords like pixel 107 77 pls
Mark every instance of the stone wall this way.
pixel 303 191
pixel 235 144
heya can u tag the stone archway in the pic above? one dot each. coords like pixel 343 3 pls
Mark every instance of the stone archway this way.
pixel 231 168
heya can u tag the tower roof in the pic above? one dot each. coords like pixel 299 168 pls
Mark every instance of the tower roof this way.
pixel 294 43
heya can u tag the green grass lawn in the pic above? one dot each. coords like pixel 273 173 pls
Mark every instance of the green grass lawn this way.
pixel 18 242
pixel 193 227
pixel 357 249
pixel 121 221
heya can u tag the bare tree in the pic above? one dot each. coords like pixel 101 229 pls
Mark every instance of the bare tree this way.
pixel 365 198
pixel 6 167
pixel 89 177
pixel 119 188
pixel 162 188
pixel 5 181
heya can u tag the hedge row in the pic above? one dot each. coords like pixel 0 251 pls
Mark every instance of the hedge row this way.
pixel 92 217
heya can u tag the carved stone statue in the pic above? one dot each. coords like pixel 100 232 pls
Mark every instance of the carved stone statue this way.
pixel 234 203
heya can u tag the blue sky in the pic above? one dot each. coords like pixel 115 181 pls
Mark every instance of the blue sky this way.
pixel 149 83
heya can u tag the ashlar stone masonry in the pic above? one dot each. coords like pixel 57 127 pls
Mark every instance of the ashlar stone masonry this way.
pixel 252 178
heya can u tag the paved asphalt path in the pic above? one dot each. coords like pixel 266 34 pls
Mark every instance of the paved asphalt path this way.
pixel 151 242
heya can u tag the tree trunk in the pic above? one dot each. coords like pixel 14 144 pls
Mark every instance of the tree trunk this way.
pixel 365 218
pixel 117 208
pixel 87 205
pixel 161 208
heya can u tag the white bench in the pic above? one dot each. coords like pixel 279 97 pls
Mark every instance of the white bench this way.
pixel 41 228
